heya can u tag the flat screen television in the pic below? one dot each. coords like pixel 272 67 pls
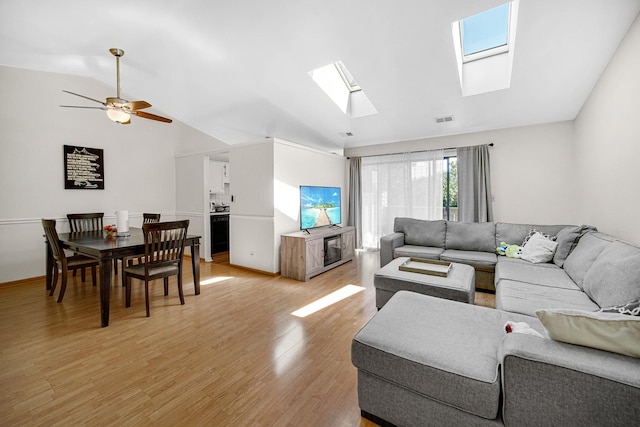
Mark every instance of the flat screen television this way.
pixel 319 206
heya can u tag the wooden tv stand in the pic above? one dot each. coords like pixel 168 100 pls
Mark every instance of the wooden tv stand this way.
pixel 302 254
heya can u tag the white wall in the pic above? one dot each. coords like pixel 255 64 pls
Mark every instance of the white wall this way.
pixel 607 144
pixel 296 165
pixel 190 197
pixel 251 223
pixel 265 185
pixel 138 160
pixel 531 169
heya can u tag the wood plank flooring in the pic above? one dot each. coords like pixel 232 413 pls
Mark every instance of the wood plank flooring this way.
pixel 231 356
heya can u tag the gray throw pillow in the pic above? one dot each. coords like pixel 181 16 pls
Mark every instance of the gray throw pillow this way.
pixel 614 277
pixel 567 239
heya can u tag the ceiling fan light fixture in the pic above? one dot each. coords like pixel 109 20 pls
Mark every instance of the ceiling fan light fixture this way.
pixel 118 116
pixel 120 110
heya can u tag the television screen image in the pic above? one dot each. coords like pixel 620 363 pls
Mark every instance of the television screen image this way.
pixel 319 206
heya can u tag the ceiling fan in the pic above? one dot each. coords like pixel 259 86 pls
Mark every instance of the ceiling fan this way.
pixel 120 110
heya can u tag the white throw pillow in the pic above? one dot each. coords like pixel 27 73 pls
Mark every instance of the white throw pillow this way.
pixel 613 332
pixel 539 249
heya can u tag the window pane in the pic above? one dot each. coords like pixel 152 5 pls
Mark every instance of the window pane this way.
pixel 486 30
pixel 450 189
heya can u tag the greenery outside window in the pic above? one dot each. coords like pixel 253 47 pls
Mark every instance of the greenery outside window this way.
pixel 450 189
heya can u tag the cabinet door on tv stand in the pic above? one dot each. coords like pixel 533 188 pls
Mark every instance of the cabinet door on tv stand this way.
pixel 348 245
pixel 315 256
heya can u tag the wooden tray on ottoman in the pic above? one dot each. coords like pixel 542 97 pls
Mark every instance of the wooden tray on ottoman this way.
pixel 426 266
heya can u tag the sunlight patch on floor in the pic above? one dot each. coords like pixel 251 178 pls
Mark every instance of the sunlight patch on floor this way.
pixel 289 348
pixel 214 280
pixel 328 300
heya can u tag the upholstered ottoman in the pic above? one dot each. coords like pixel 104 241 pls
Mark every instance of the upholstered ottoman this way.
pixel 429 361
pixel 459 285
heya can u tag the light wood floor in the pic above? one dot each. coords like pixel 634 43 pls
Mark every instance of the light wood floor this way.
pixel 231 356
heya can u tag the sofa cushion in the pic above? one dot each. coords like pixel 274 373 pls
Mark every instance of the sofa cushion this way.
pixel 481 259
pixel 582 257
pixel 614 277
pixel 547 274
pixel 426 252
pixel 568 239
pixel 413 343
pixel 514 234
pixel 421 232
pixel 526 298
pixel 471 236
pixel 605 331
pixel 539 249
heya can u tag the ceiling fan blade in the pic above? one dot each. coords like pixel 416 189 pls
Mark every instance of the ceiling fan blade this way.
pixel 137 105
pixel 82 106
pixel 151 116
pixel 85 97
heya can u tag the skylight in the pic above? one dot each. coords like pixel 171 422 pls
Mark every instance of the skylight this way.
pixel 340 85
pixel 486 33
pixel 347 77
pixel 484 45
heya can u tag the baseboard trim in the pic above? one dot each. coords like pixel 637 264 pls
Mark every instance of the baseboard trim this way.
pixel 255 270
pixel 21 282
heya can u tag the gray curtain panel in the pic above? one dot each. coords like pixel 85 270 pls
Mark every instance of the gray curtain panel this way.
pixel 355 199
pixel 474 184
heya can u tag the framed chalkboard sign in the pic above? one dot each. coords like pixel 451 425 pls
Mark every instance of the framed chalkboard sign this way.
pixel 83 168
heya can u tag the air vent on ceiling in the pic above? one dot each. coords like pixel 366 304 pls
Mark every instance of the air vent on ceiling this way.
pixel 444 119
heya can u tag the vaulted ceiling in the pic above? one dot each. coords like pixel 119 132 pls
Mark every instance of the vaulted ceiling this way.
pixel 238 70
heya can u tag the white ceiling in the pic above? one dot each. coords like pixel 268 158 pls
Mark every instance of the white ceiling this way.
pixel 237 70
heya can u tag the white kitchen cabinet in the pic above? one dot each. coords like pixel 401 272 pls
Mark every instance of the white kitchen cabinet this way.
pixel 216 181
pixel 225 173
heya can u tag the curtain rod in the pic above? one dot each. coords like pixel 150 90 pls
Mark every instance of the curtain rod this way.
pixel 423 151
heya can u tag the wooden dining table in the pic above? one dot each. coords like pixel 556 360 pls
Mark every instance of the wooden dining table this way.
pixel 96 245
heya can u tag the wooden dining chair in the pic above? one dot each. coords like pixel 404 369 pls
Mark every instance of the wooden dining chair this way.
pixel 85 222
pixel 147 218
pixel 150 217
pixel 62 261
pixel 163 251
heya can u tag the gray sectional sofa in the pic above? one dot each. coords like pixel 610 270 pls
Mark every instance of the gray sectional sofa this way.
pixel 468 243
pixel 423 360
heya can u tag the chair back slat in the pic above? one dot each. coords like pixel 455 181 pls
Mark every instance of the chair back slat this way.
pixel 85 221
pixel 49 226
pixel 150 217
pixel 164 243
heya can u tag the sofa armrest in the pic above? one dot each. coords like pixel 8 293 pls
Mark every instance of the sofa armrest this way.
pixel 547 382
pixel 387 244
